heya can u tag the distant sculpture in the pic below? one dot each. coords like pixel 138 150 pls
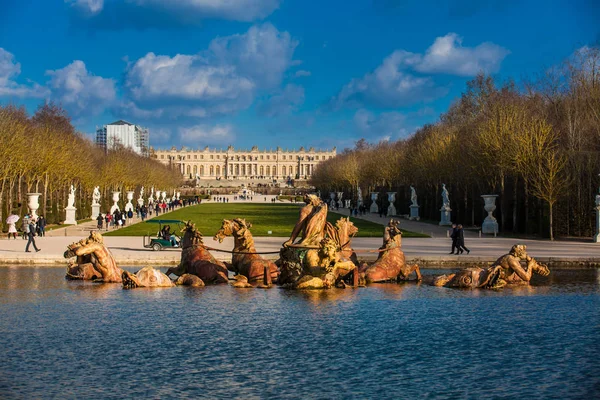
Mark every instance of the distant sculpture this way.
pixel 413 196
pixel 71 200
pixel 245 260
pixel 140 199
pixel 102 261
pixel 391 263
pixel 445 198
pixel 96 196
pixel 507 270
pixel 197 260
pixel 151 197
pixel 445 209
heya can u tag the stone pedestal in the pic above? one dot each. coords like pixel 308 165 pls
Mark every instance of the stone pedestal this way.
pixel 140 201
pixel 414 213
pixel 70 220
pixel 490 224
pixel 33 203
pixel 115 206
pixel 374 208
pixel 95 210
pixel 129 205
pixel 445 216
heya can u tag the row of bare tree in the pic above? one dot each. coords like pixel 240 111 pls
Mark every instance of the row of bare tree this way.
pixel 44 154
pixel 536 145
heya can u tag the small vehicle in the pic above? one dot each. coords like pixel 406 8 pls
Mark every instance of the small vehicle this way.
pixel 155 241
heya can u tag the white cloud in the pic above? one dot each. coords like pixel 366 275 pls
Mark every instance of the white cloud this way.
pixel 87 7
pixel 388 86
pixel 9 71
pixel 382 127
pixel 262 54
pixel 181 11
pixel 447 55
pixel 80 92
pixel 221 80
pixel 400 79
pixel 208 135
pixel 284 102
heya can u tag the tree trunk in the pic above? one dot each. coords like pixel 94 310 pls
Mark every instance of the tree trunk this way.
pixel 551 231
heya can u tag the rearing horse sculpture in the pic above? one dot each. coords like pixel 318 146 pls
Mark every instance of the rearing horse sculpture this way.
pixel 197 260
pixel 245 261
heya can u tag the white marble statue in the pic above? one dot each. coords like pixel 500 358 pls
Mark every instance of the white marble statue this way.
pixel 413 196
pixel 96 196
pixel 445 198
pixel 359 199
pixel 71 200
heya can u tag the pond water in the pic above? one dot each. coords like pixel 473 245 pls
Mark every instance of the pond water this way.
pixel 82 340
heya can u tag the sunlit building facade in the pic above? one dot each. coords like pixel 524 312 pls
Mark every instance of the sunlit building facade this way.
pixel 243 164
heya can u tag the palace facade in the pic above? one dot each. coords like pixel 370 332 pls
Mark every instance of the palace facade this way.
pixel 243 164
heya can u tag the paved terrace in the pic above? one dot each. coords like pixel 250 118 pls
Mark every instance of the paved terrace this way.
pixel 428 252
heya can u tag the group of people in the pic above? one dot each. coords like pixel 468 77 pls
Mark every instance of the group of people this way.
pixel 31 227
pixel 458 240
pixel 220 199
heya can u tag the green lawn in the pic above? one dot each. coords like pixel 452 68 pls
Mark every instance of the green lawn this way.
pixel 277 218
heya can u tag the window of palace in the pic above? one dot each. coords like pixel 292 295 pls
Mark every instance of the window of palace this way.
pixel 195 156
pixel 212 157
pixel 262 157
pixel 162 156
pixel 188 156
pixel 268 157
pixel 202 157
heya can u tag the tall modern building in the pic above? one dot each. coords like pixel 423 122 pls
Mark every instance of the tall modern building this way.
pixel 123 133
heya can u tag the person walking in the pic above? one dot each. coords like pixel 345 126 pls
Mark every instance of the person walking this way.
pixel 31 237
pixel 461 241
pixel 25 226
pixel 100 220
pixel 454 237
pixel 41 224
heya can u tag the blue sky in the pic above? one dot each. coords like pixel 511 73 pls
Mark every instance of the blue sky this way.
pixel 286 73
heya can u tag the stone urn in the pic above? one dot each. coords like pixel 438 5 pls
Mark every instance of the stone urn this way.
pixel 391 208
pixel 340 203
pixel 129 205
pixel 490 224
pixel 115 198
pixel 163 196
pixel 374 208
pixel 33 203
pixel 332 203
pixel 347 201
